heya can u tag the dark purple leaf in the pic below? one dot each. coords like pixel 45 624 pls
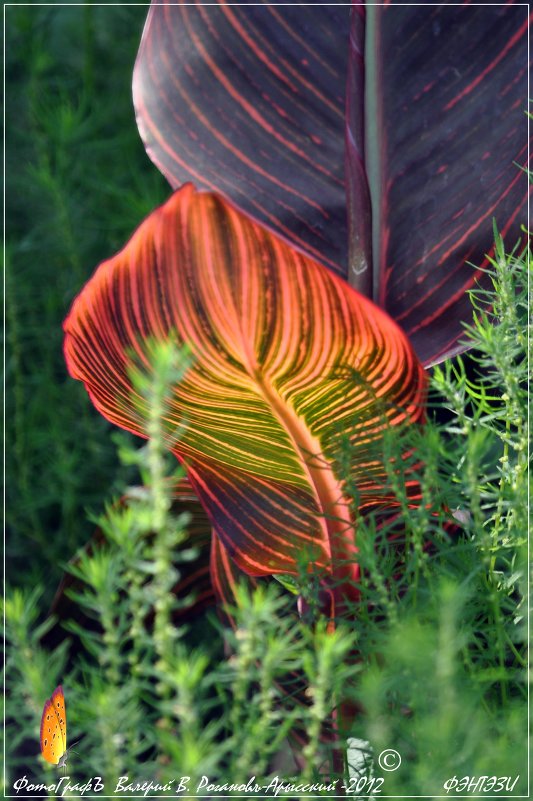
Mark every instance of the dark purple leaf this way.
pixel 249 101
pixel 446 92
pixel 359 209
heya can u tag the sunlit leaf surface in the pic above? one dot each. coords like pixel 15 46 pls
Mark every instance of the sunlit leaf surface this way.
pixel 289 364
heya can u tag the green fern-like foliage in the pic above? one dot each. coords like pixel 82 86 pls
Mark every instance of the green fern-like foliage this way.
pixel 430 661
pixel 442 618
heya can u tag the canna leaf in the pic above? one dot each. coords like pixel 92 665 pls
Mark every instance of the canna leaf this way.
pixel 288 363
pixel 225 577
pixel 249 101
pixel 447 87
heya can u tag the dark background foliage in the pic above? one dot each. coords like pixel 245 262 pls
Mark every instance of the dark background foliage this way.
pixel 78 182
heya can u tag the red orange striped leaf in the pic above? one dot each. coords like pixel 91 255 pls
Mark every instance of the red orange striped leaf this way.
pixel 446 96
pixel 249 101
pixel 225 577
pixel 288 361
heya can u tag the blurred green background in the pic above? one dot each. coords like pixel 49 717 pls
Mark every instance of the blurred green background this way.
pixel 78 182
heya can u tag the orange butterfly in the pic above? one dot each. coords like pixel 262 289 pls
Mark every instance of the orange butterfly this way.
pixel 53 734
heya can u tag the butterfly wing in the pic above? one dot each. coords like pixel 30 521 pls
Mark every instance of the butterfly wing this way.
pixel 58 700
pixel 53 733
